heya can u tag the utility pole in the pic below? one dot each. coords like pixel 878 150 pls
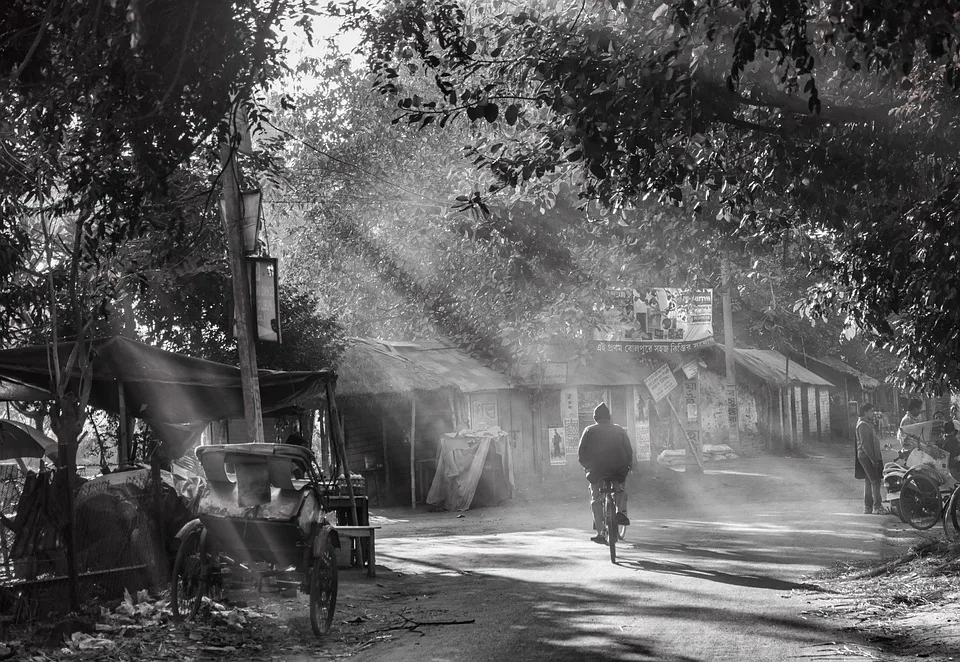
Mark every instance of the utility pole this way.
pixel 733 415
pixel 232 213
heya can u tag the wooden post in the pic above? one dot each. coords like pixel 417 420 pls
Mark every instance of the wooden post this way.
pixel 123 443
pixel 846 410
pixel 336 443
pixel 325 434
pixel 683 431
pixel 783 425
pixel 413 453
pixel 386 456
pixel 242 306
pixel 733 414
pixel 790 418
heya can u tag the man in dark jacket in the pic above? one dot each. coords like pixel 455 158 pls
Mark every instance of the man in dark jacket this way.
pixel 870 458
pixel 605 452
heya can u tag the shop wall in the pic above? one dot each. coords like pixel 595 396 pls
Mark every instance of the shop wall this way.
pixel 713 415
pixel 826 416
pixel 552 435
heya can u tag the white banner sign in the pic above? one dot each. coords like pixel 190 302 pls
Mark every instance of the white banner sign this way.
pixel 661 382
pixel 659 319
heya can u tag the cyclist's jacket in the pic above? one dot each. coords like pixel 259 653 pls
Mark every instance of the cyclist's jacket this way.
pixel 605 452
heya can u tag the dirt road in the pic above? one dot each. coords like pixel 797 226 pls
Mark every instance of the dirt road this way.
pixel 715 567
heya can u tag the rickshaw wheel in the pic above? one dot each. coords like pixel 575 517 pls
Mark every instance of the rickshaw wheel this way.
pixel 951 517
pixel 323 588
pixel 920 501
pixel 187 584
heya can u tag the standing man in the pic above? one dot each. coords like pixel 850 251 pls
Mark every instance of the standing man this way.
pixel 912 416
pixel 868 454
pixel 605 453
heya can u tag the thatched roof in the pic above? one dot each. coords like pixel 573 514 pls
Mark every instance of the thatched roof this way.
pixel 451 364
pixel 370 367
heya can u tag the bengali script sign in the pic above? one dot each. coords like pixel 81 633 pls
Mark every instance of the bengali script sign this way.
pixel 658 319
pixel 661 382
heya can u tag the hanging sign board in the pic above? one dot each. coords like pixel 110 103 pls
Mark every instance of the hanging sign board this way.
pixel 265 298
pixel 661 382
pixel 658 319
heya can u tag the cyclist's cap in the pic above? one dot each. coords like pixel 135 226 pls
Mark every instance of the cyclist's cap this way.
pixel 602 412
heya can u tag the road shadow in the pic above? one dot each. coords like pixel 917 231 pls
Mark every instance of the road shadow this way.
pixel 752 581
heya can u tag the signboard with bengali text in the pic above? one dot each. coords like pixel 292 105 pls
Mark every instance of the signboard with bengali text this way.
pixel 661 382
pixel 658 319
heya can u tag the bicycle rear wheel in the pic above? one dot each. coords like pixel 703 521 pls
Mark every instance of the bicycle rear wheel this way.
pixel 951 516
pixel 610 519
pixel 920 501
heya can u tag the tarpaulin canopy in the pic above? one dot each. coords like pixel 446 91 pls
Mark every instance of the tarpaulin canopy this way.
pixel 472 466
pixel 176 394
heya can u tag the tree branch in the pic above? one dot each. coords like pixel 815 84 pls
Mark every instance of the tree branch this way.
pixel 36 44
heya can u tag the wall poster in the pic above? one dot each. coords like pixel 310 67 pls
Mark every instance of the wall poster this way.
pixel 691 398
pixel 641 433
pixel 558 450
pixel 569 414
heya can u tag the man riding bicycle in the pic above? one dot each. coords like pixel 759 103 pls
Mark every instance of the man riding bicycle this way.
pixel 605 453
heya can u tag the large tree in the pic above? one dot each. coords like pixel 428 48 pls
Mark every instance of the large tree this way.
pixel 373 218
pixel 112 115
pixel 829 124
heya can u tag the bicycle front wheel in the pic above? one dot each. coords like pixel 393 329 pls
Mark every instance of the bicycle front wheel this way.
pixel 610 519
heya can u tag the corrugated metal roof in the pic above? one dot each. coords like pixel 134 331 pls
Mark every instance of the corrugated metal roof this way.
pixel 451 364
pixel 866 381
pixel 770 365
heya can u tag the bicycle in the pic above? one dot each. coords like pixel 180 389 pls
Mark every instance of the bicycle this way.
pixel 614 531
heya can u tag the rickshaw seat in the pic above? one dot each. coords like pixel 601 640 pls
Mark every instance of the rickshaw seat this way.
pixel 281 473
pixel 214 467
pixel 258 467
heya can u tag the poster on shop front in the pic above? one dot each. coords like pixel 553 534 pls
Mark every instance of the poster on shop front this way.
pixel 558 451
pixel 570 415
pixel 642 428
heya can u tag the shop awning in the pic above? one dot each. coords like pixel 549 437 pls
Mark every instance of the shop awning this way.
pixel 177 395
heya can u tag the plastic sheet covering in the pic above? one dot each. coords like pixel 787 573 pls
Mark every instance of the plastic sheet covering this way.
pixel 473 468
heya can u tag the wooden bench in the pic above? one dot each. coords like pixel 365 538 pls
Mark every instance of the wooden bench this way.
pixel 359 533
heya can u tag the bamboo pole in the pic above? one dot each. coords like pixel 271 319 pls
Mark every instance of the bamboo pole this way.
pixel 730 387
pixel 683 431
pixel 413 453
pixel 386 456
pixel 339 449
pixel 123 447
pixel 249 378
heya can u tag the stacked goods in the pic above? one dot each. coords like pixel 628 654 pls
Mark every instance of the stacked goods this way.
pixel 716 452
pixel 673 459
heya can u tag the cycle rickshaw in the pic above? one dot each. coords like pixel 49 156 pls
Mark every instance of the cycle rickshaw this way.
pixel 263 504
pixel 928 490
